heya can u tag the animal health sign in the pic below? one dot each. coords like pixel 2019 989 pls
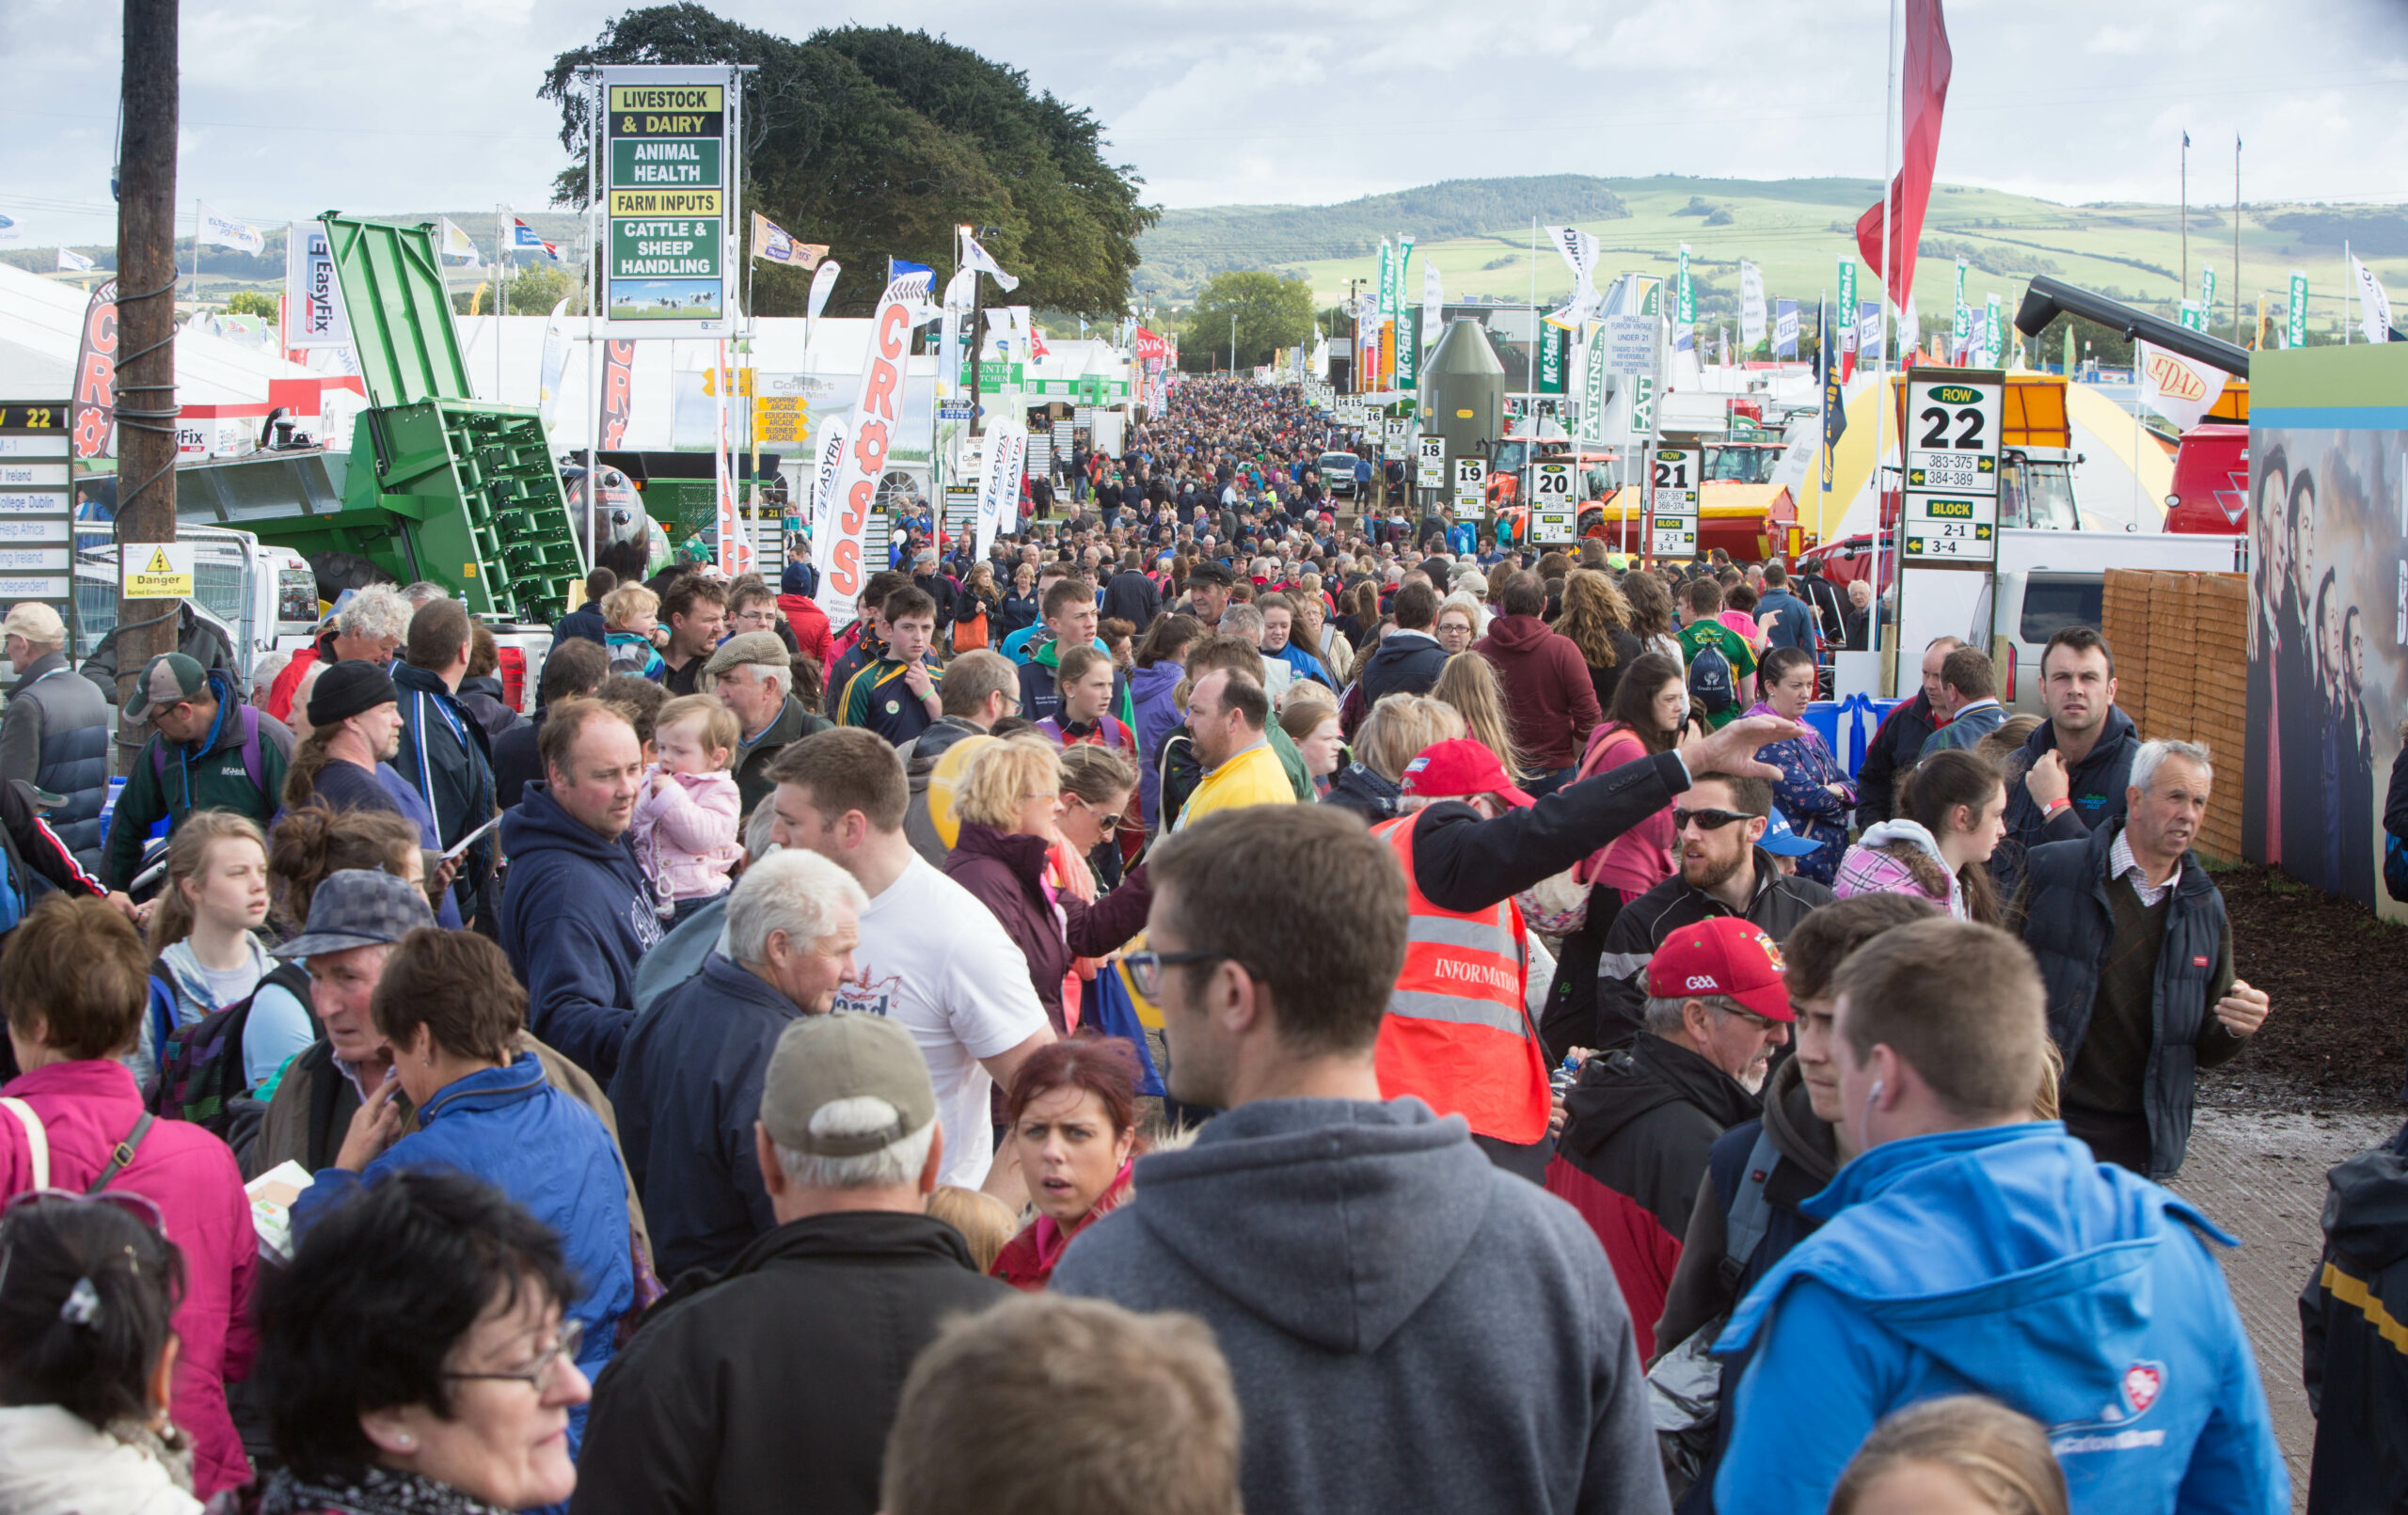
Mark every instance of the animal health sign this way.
pixel 669 198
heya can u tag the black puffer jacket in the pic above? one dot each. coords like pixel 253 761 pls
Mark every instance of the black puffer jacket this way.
pixel 2356 1362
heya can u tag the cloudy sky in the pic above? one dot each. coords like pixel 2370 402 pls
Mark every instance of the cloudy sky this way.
pixel 386 106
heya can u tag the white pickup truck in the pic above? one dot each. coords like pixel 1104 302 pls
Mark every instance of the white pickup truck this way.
pixel 264 598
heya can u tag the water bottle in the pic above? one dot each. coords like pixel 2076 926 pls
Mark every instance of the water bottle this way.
pixel 1567 1075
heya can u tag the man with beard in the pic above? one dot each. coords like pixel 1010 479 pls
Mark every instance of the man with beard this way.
pixel 1641 1120
pixel 1716 828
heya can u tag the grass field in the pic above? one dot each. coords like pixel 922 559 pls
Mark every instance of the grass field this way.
pixel 1796 230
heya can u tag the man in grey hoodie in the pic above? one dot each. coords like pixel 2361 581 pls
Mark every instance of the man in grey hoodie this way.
pixel 1409 1327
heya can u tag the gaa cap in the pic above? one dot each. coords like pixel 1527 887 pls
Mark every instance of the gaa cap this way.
pixel 1723 955
pixel 1779 839
pixel 822 1059
pixel 1459 768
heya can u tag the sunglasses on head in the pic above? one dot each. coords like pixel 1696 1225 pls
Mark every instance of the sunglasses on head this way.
pixel 1708 820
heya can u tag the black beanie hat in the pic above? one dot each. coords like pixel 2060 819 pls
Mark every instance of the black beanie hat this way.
pixel 347 688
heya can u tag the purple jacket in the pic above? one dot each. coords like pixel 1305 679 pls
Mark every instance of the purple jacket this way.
pixel 1007 873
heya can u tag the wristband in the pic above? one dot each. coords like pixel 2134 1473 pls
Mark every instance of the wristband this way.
pixel 2048 812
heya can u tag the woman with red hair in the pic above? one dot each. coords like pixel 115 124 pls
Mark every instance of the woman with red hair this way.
pixel 1073 1112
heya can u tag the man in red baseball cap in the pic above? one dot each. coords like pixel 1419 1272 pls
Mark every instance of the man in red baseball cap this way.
pixel 1643 1120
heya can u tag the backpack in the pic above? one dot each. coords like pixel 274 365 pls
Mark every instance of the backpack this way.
pixel 200 1066
pixel 253 768
pixel 1712 684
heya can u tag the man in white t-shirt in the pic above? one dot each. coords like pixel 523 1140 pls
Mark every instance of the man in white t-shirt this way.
pixel 930 956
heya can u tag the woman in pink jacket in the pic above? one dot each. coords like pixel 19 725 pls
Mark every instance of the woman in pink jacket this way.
pixel 687 817
pixel 1649 703
pixel 78 982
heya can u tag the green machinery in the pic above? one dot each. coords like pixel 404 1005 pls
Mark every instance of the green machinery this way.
pixel 438 485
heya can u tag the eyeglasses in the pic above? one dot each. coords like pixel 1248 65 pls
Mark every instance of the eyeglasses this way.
pixel 563 1347
pixel 1146 968
pixel 1111 822
pixel 137 1206
pixel 1708 820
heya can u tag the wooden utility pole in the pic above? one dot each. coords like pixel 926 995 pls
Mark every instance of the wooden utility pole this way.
pixel 146 305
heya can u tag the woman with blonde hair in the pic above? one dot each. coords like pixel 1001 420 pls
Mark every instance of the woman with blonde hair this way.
pixel 1008 801
pixel 1462 620
pixel 1963 1453
pixel 1598 620
pixel 1468 683
pixel 1396 731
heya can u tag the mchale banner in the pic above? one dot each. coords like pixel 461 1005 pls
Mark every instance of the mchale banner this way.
pixel 94 402
pixel 874 416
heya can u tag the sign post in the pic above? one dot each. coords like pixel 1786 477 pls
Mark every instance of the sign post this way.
pixel 1554 512
pixel 1671 485
pixel 670 183
pixel 1472 489
pixel 37 505
pixel 1948 528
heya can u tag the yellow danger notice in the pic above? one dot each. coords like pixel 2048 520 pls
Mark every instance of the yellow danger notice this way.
pixel 158 571
pixel 665 201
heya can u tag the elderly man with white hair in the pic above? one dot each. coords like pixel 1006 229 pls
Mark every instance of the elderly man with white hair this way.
pixel 369 628
pixel 2136 950
pixel 791 1361
pixel 689 1074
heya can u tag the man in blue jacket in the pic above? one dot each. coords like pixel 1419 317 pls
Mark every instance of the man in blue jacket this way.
pixel 577 912
pixel 1969 1249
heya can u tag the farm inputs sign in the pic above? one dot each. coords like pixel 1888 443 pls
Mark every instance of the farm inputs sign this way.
pixel 668 199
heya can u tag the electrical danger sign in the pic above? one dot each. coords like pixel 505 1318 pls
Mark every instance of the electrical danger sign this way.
pixel 158 570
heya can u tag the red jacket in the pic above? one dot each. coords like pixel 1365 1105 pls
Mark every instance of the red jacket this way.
pixel 1028 1260
pixel 1007 874
pixel 1550 704
pixel 86 1106
pixel 809 624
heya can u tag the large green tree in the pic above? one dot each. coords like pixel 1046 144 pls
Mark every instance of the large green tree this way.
pixel 879 142
pixel 1270 312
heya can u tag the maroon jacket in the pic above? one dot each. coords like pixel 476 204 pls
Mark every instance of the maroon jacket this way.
pixel 1549 702
pixel 1007 874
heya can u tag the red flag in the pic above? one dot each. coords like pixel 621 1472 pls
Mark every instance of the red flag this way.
pixel 1925 95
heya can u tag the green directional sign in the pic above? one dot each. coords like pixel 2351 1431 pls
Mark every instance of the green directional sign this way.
pixel 668 196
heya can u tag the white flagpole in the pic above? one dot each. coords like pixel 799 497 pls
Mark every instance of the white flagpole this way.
pixel 1891 121
pixel 2349 285
pixel 500 291
pixel 592 280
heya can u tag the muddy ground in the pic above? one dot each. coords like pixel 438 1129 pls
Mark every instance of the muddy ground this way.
pixel 2337 1033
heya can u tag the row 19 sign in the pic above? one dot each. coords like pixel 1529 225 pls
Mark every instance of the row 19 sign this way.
pixel 671 194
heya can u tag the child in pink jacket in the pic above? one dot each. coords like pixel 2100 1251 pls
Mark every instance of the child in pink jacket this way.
pixel 685 818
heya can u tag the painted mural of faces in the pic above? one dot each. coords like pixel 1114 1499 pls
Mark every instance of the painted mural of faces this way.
pixel 2269 520
pixel 2304 532
pixel 2354 651
pixel 2328 633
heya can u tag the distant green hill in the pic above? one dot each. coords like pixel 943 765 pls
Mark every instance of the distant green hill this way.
pixel 224 269
pixel 1478 233
pixel 1188 246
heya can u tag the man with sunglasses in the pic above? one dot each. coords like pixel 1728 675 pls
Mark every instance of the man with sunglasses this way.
pixel 1718 830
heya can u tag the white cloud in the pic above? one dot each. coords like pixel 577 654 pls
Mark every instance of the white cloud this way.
pixel 398 105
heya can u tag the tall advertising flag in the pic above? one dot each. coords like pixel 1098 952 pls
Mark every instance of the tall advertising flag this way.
pixel 618 391
pixel 314 313
pixel 2295 325
pixel 828 461
pixel 1960 320
pixel 999 486
pixel 1578 249
pixel 1923 99
pixel 2208 290
pixel 2374 306
pixel 1993 334
pixel 92 409
pixel 1846 323
pixel 875 415
pixel 1784 328
pixel 1752 305
pixel 1685 305
pixel 1433 304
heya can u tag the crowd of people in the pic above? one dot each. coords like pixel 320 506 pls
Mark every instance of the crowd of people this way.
pixel 1225 1000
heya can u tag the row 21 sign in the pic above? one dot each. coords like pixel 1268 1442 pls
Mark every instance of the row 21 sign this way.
pixel 670 198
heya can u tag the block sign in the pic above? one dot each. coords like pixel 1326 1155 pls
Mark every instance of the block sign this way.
pixel 1430 462
pixel 1672 481
pixel 669 194
pixel 158 570
pixel 1951 499
pixel 35 532
pixel 1471 484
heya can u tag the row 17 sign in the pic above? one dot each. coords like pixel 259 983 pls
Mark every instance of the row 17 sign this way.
pixel 670 195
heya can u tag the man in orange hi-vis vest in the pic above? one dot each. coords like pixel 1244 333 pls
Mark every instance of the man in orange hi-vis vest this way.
pixel 1458 1033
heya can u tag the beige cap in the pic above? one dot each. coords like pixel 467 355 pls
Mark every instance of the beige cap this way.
pixel 761 647
pixel 822 1059
pixel 37 622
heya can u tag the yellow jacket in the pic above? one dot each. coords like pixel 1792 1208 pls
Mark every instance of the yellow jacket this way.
pixel 1254 776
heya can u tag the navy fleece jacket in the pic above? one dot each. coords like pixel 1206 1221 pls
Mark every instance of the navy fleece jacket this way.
pixel 577 915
